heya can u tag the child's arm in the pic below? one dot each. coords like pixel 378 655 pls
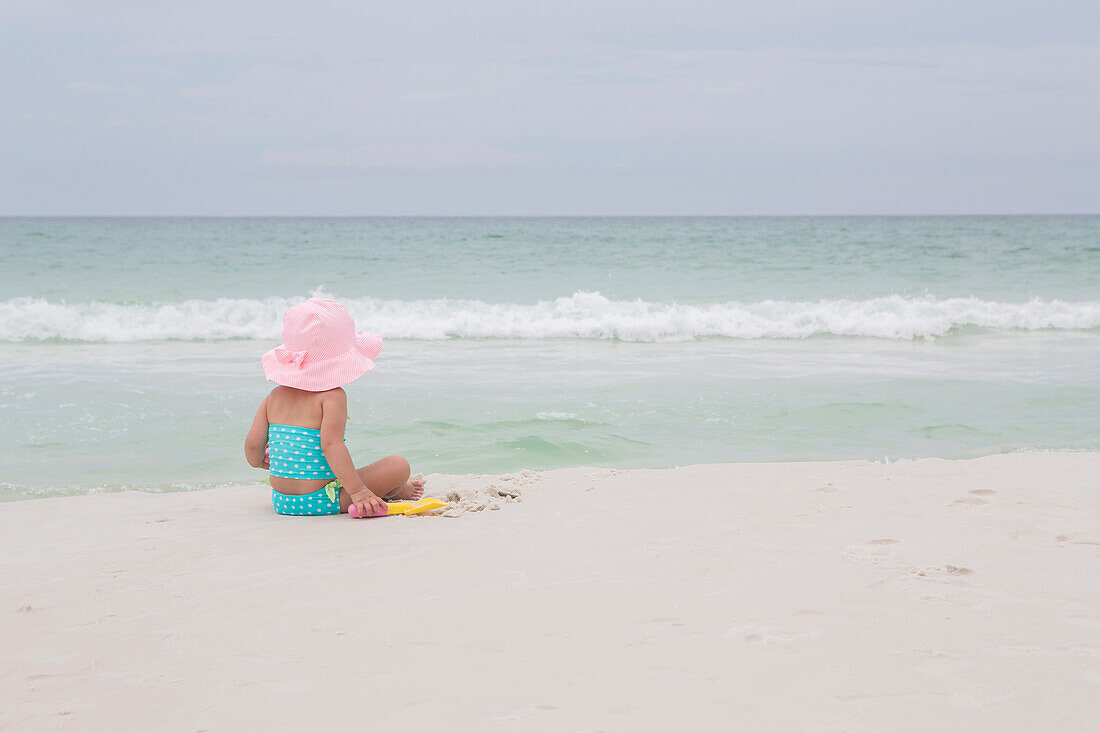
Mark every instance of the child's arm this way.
pixel 334 418
pixel 255 443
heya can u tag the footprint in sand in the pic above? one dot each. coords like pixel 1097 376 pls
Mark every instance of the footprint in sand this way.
pixel 1062 539
pixel 1085 621
pixel 873 552
pixel 970 501
pixel 526 712
pixel 646 632
pixel 939 571
pixel 768 635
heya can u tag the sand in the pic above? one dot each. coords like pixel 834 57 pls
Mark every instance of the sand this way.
pixel 947 595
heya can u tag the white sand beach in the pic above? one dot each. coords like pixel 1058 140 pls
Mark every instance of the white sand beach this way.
pixel 936 595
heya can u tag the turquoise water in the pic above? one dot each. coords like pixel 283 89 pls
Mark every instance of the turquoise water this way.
pixel 130 347
pixel 525 260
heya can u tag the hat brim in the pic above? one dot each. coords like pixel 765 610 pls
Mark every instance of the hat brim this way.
pixel 323 375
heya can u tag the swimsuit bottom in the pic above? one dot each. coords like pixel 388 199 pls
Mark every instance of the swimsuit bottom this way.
pixel 325 500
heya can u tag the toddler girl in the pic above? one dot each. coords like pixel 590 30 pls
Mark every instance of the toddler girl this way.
pixel 298 431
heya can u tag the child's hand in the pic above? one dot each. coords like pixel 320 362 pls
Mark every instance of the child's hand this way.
pixel 368 503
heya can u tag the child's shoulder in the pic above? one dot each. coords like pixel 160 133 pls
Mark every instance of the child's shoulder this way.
pixel 336 396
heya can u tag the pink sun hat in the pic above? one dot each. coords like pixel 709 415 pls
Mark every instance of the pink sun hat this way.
pixel 321 350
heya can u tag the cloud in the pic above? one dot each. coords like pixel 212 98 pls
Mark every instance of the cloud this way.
pixel 101 87
pixel 395 156
pixel 564 106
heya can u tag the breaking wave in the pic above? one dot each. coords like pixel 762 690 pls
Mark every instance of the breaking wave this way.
pixel 583 315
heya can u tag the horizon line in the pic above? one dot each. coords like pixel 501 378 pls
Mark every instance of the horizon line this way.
pixel 542 216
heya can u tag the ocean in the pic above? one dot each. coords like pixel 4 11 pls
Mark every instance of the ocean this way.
pixel 130 348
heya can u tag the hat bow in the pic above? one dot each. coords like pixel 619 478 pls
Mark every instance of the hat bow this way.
pixel 290 356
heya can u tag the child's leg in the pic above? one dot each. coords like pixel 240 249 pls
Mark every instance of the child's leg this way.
pixel 389 479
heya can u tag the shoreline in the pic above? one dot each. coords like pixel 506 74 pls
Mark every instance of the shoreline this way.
pixel 25 493
pixel 847 595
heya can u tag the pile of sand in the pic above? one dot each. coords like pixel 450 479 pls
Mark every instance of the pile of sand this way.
pixel 473 493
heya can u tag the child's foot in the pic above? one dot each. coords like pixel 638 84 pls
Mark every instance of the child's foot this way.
pixel 411 491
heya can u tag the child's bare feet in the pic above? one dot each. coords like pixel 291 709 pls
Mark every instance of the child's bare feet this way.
pixel 411 491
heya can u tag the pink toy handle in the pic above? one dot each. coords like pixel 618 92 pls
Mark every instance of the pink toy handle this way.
pixel 353 512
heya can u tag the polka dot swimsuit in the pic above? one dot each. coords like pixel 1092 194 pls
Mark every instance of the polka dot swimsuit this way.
pixel 322 501
pixel 296 452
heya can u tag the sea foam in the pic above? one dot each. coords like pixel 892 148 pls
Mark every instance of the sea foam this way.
pixel 583 315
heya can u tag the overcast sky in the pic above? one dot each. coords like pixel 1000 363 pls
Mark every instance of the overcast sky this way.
pixel 552 107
